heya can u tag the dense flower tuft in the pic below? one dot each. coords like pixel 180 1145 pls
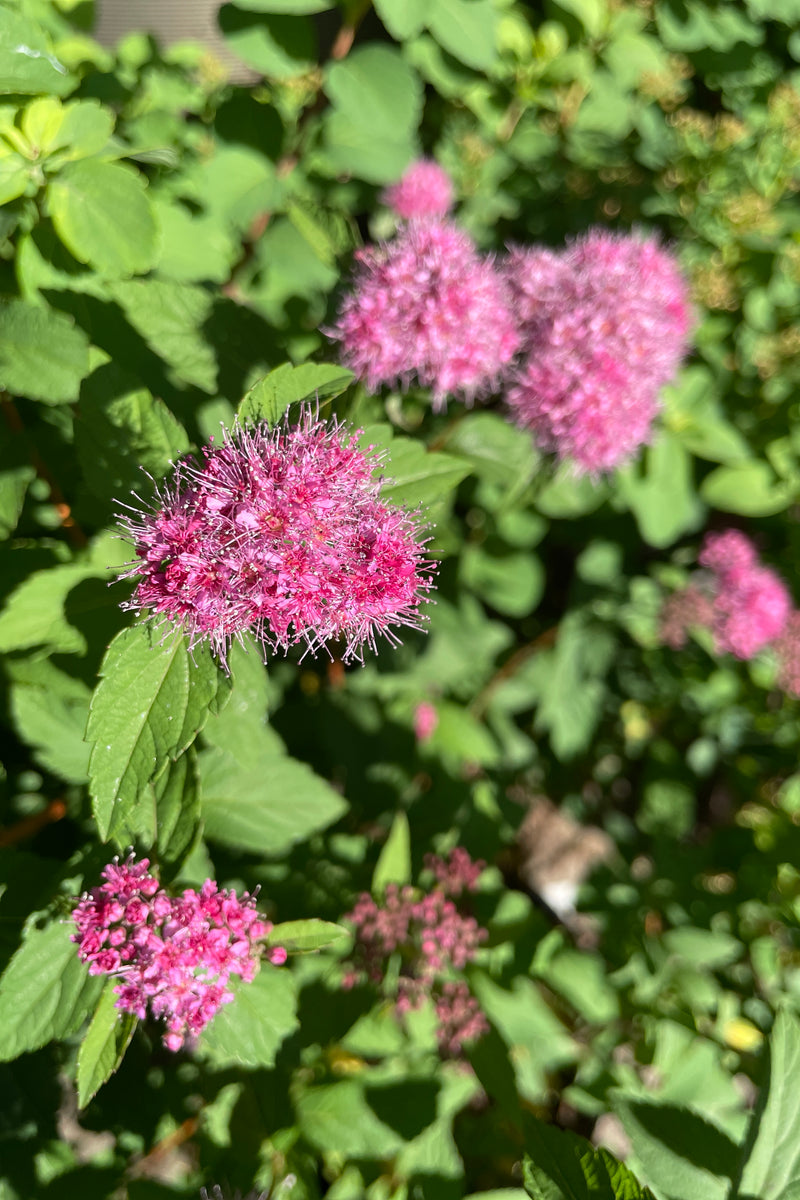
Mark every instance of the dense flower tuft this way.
pixel 427 306
pixel 745 604
pixel 282 532
pixel 606 325
pixel 424 191
pixel 435 941
pixel 174 955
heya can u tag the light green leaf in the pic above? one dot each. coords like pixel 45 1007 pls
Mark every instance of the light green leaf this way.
pixel 49 709
pixel 27 63
pixel 234 185
pixel 249 1031
pixel 563 1166
pixel 511 583
pixel 415 477
pixel 499 453
pixel 170 316
pixel 662 497
pixel 87 200
pixel 466 29
pixel 568 495
pixel 269 399
pixel 303 937
pixel 193 248
pixel 277 45
pixel 403 18
pixel 13 488
pixel 267 808
pixel 592 14
pixel 45 991
pixel 772 1169
pixel 394 860
pixel 376 101
pixel 680 1153
pixel 104 1045
pixel 337 1117
pixel 34 612
pixel 42 354
pixel 149 706
pixel 242 727
pixel 293 7
pixel 750 489
pixel 76 130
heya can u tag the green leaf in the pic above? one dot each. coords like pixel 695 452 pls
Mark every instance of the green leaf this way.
pixel 570 680
pixel 34 612
pixel 169 316
pixel 27 63
pixel 337 1117
pixel 772 1168
pixel 194 248
pixel 278 46
pixel 241 728
pixel 303 937
pixel 13 488
pixel 293 7
pixel 234 185
pixel 403 18
pixel 269 399
pixel 394 861
pixel 662 497
pixel 466 29
pixel 122 431
pixel 87 201
pixel 376 101
pixel 415 477
pixel 267 808
pixel 511 583
pixel 249 1031
pixel 104 1045
pixel 148 708
pixel 42 355
pixel 176 795
pixel 563 1166
pixel 49 710
pixel 750 489
pixel 499 453
pixel 592 14
pixel 679 1152
pixel 569 495
pixel 75 130
pixel 45 992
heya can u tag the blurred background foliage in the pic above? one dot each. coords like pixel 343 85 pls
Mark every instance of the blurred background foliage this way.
pixel 167 236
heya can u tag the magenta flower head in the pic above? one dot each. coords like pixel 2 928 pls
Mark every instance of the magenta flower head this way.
pixel 428 307
pixel 424 191
pixel 752 605
pixel 282 532
pixel 174 956
pixel 606 324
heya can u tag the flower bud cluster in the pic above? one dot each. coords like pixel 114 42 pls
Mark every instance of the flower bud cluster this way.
pixel 281 532
pixel 174 956
pixel 746 605
pixel 434 941
pixel 581 340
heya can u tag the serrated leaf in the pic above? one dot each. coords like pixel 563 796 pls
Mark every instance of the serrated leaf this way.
pixel 170 316
pixel 293 7
pixel 104 1045
pixel 277 45
pixel 772 1167
pixel 662 497
pixel 267 808
pixel 562 1166
pixel 679 1152
pixel 122 430
pixel 45 992
pixel 87 201
pixel 149 706
pixel 13 488
pixel 394 860
pixel 42 354
pixel 176 795
pixel 249 1031
pixel 303 937
pixel 403 18
pixel 269 399
pixel 337 1117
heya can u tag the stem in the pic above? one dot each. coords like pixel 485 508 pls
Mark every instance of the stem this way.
pixel 28 827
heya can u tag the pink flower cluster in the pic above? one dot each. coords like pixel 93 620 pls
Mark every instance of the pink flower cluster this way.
pixel 606 324
pixel 173 955
pixel 582 339
pixel 282 532
pixel 427 306
pixel 745 604
pixel 435 941
pixel 424 191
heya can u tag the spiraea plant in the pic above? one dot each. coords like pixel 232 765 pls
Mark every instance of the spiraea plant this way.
pixel 398 577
